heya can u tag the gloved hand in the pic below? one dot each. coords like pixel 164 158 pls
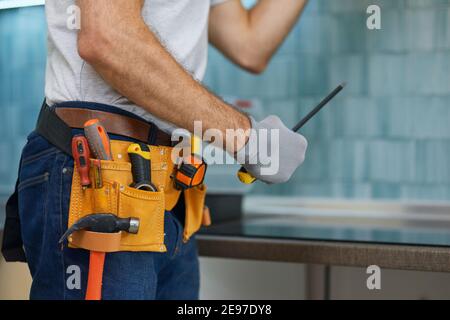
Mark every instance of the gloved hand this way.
pixel 273 152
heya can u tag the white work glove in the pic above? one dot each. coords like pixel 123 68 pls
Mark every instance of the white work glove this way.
pixel 273 151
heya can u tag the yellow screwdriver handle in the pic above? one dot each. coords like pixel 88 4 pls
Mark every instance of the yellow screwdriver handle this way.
pixel 245 177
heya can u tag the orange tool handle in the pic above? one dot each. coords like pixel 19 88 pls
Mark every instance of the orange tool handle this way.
pixel 81 155
pixel 98 139
pixel 95 276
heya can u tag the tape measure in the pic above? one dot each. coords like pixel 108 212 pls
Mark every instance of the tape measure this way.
pixel 191 171
pixel 190 174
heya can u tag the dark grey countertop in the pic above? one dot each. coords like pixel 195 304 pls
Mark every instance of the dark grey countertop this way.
pixel 396 235
pixel 338 253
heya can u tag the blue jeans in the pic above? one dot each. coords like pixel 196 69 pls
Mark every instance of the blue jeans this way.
pixel 44 185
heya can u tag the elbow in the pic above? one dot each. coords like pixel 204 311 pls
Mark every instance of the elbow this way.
pixel 92 45
pixel 253 63
pixel 252 55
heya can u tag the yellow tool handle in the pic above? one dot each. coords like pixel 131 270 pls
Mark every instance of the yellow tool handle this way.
pixel 140 150
pixel 196 145
pixel 245 177
pixel 141 167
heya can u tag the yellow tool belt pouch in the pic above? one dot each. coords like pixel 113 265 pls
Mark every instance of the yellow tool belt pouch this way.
pixel 115 196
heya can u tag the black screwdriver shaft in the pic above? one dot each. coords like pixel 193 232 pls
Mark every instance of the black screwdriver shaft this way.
pixel 322 104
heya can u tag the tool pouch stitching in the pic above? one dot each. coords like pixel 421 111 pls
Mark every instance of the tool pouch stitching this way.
pixel 116 197
pixel 151 221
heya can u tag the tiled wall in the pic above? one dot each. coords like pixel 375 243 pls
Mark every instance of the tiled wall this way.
pixel 22 70
pixel 386 136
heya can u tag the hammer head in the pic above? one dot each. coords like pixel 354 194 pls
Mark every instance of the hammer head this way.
pixel 103 223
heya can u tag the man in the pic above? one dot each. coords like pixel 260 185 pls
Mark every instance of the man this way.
pixel 147 58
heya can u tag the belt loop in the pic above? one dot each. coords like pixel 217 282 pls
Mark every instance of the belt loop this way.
pixel 54 129
pixel 152 134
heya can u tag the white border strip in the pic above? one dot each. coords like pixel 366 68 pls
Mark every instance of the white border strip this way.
pixel 9 4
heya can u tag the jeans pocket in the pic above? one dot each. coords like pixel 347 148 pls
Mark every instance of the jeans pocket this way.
pixel 37 148
pixel 33 181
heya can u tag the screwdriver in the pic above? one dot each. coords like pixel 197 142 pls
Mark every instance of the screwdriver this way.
pixel 100 145
pixel 81 155
pixel 246 178
pixel 98 139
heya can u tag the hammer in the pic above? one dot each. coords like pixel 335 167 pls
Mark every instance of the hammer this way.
pixel 103 223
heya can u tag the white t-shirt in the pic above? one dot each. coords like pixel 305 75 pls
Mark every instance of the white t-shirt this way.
pixel 182 26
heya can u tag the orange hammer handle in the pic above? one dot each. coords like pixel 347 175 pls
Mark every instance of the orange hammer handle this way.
pixel 95 276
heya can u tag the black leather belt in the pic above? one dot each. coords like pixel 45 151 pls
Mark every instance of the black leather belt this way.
pixel 56 124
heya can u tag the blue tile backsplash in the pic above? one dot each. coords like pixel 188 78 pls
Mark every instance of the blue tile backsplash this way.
pixel 386 136
pixel 22 73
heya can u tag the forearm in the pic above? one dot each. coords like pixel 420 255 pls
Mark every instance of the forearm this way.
pixel 251 37
pixel 131 59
